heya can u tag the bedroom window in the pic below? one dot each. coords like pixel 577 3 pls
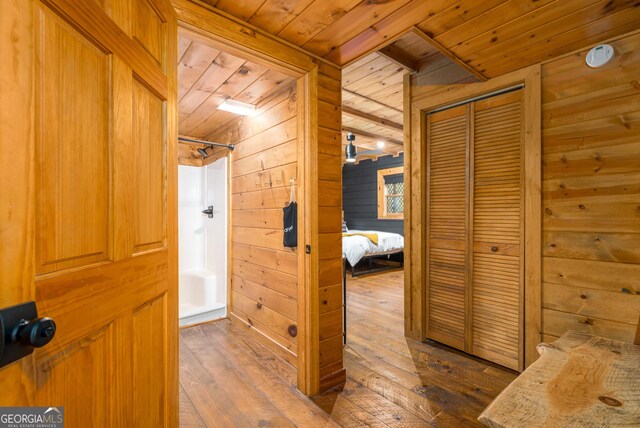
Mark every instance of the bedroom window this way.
pixel 391 193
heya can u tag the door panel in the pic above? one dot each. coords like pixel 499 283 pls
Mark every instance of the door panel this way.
pixel 447 137
pixel 65 374
pixel 90 195
pixel 72 204
pixel 498 230
pixel 148 366
pixel 149 29
pixel 149 172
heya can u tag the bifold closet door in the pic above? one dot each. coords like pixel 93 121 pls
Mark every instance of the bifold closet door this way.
pixel 447 145
pixel 475 228
pixel 497 273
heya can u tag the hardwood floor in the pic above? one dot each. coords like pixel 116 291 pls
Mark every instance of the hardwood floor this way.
pixel 229 379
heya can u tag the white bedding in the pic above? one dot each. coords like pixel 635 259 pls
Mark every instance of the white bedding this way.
pixel 354 248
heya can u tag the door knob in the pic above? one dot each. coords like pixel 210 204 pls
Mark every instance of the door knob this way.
pixel 21 331
pixel 208 211
pixel 35 333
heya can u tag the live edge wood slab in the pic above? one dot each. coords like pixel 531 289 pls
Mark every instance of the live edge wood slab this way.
pixel 579 380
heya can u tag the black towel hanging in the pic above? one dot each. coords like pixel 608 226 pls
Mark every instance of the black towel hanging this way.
pixel 290 220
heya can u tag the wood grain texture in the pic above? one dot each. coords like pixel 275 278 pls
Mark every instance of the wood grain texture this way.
pixel 475 222
pixel 498 226
pixel 579 379
pixel 318 125
pixel 490 38
pixel 264 293
pixel 590 220
pixel 372 103
pixel 112 92
pixel 209 76
pixel 325 183
pixel 494 230
pixel 17 80
pixel 420 384
pixel 231 380
pixel 415 191
pixel 447 154
pixel 228 378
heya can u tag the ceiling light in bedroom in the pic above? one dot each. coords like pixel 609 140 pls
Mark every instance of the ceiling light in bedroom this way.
pixel 350 150
pixel 237 107
pixel 380 144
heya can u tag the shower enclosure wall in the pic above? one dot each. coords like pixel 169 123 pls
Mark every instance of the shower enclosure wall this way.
pixel 202 242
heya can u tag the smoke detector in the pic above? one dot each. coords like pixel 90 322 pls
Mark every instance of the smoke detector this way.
pixel 600 56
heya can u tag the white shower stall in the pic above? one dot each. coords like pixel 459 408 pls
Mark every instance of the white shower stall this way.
pixel 202 242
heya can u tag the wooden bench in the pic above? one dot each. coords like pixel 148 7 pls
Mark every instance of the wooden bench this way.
pixel 579 380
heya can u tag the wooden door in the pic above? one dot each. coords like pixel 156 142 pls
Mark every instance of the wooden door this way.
pixel 475 228
pixel 497 282
pixel 447 224
pixel 88 182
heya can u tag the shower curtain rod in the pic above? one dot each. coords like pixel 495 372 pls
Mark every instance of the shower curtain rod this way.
pixel 208 143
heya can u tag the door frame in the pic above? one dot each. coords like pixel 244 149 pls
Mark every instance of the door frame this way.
pixel 239 38
pixel 416 266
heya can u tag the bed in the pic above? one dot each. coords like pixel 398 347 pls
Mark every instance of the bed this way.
pixel 359 245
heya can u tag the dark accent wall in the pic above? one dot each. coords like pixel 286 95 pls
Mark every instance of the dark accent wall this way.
pixel 360 195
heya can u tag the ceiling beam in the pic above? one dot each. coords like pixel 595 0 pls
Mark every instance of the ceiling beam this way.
pixel 372 118
pixel 371 99
pixel 392 53
pixel 355 131
pixel 444 51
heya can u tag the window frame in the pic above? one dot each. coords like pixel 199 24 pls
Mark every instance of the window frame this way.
pixel 382 197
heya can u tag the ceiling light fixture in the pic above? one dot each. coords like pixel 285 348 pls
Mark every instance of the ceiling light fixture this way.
pixel 237 107
pixel 380 144
pixel 350 150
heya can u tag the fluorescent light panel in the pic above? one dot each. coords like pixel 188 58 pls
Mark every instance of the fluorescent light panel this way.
pixel 237 107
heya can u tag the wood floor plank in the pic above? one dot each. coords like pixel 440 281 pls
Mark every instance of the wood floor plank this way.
pixel 209 398
pixel 189 416
pixel 256 407
pixel 289 401
pixel 230 379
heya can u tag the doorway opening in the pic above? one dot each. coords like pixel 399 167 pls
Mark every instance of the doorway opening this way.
pixel 238 167
pixel 202 236
pixel 382 356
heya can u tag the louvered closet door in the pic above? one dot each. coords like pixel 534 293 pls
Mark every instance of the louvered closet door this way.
pixel 497 230
pixel 447 135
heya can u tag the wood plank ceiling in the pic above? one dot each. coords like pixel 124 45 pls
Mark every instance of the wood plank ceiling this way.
pixel 207 77
pixel 372 104
pixel 492 36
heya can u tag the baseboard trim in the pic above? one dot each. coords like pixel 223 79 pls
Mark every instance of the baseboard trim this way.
pixel 277 348
pixel 332 380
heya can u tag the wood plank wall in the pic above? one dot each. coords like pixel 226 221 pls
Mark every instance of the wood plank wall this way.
pixel 591 194
pixel 329 251
pixel 263 272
